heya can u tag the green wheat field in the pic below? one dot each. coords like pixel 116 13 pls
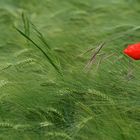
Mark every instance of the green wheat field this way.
pixel 63 74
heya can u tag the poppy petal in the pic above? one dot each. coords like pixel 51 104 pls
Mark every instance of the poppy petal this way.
pixel 133 51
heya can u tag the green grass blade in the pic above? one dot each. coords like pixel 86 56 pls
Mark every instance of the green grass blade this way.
pixel 45 54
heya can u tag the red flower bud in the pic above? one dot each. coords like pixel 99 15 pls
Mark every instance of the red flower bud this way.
pixel 133 51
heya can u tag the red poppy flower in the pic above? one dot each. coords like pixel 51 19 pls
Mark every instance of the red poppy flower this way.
pixel 133 51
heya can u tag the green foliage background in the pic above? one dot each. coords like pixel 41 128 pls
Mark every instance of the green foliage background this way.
pixel 53 97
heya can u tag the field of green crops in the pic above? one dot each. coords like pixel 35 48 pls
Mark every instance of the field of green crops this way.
pixel 51 88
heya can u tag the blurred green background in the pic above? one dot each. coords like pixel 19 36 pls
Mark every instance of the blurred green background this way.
pixel 55 96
